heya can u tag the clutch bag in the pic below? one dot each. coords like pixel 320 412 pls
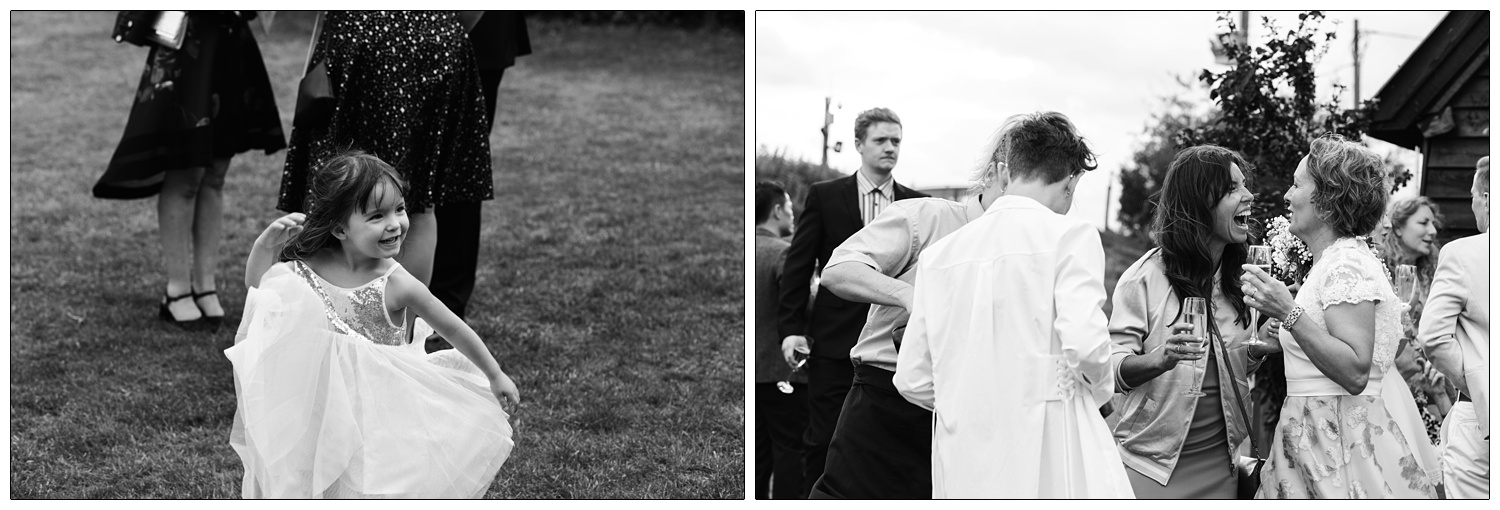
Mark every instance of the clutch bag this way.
pixel 143 28
pixel 314 99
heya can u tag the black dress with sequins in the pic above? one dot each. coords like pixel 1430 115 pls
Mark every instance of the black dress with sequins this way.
pixel 209 100
pixel 407 91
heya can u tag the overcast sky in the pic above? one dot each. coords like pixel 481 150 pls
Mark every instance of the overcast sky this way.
pixel 953 77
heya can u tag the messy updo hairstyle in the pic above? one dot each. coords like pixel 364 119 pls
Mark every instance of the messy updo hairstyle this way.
pixel 1044 146
pixel 1350 193
pixel 340 188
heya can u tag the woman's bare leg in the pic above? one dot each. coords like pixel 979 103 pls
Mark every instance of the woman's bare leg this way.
pixel 208 235
pixel 417 254
pixel 174 214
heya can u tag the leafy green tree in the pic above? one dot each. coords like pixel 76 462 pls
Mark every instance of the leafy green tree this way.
pixel 1141 177
pixel 1268 110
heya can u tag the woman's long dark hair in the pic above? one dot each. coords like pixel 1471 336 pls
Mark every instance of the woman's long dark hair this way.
pixel 1196 181
pixel 338 189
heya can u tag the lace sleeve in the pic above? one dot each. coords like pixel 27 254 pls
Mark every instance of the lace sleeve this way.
pixel 1348 280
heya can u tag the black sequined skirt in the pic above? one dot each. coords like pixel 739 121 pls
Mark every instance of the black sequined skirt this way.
pixel 407 91
pixel 209 100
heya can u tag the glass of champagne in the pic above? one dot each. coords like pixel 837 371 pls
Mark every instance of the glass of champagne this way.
pixel 1258 256
pixel 786 386
pixel 1195 312
pixel 1406 283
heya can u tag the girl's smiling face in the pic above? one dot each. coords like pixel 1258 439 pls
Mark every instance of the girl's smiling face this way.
pixel 378 229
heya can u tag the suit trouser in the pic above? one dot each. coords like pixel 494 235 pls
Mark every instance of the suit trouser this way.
pixel 828 382
pixel 456 258
pixel 1466 455
pixel 780 419
pixel 882 447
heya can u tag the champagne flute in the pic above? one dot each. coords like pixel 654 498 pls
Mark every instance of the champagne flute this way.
pixel 786 385
pixel 1406 283
pixel 1195 312
pixel 1258 256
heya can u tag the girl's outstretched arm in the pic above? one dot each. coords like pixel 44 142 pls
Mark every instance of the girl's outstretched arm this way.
pixel 270 242
pixel 404 290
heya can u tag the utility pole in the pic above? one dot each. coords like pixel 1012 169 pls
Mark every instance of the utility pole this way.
pixel 827 120
pixel 1109 190
pixel 1356 62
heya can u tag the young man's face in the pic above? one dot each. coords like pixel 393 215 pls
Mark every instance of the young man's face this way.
pixel 881 146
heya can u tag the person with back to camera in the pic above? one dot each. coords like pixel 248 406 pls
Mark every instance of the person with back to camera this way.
pixel 334 401
pixel 1340 435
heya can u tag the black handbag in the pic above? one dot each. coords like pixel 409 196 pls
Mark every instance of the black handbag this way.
pixel 1247 469
pixel 314 99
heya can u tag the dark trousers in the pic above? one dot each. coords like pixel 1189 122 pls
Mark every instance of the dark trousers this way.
pixel 457 254
pixel 882 447
pixel 780 419
pixel 828 382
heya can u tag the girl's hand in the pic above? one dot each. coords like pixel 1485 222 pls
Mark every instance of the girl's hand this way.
pixel 505 389
pixel 1183 345
pixel 1265 293
pixel 280 231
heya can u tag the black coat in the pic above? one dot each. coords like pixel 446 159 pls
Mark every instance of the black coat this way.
pixel 830 214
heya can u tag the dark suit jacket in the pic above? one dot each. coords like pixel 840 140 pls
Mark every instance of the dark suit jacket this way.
pixel 830 214
pixel 499 37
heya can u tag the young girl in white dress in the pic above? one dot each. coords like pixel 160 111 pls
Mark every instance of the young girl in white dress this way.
pixel 334 399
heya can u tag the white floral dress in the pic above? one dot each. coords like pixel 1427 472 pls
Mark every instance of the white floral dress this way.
pixel 1330 444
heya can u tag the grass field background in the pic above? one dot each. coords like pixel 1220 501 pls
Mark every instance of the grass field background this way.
pixel 611 278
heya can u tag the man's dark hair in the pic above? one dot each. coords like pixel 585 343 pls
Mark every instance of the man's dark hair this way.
pixel 768 195
pixel 1042 145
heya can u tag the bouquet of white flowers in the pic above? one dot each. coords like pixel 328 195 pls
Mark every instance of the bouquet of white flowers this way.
pixel 1290 258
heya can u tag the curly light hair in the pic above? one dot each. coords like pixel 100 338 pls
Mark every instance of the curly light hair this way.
pixel 1349 185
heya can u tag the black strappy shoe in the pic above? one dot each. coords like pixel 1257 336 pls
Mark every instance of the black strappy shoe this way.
pixel 213 321
pixel 166 311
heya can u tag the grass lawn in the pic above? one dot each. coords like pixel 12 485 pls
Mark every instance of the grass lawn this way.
pixel 611 279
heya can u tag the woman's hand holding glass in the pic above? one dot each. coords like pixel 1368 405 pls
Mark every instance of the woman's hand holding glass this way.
pixel 1183 346
pixel 1265 293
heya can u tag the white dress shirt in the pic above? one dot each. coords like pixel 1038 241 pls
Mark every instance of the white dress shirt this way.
pixel 1008 345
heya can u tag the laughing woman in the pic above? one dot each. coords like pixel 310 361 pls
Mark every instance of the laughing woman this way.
pixel 1178 445
pixel 1339 435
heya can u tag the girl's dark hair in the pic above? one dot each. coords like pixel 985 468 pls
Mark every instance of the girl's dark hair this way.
pixel 1196 181
pixel 343 186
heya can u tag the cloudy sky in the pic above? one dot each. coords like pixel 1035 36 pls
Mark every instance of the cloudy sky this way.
pixel 953 77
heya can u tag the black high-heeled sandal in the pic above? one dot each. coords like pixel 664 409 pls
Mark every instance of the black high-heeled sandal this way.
pixel 166 311
pixel 213 321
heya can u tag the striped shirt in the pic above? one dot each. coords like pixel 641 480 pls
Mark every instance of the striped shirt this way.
pixel 872 198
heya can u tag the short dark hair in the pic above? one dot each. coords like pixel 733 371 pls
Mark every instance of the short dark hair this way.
pixel 1349 180
pixel 1042 145
pixel 866 118
pixel 768 195
pixel 341 187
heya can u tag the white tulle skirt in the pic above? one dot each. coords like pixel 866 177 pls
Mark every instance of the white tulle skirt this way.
pixel 327 415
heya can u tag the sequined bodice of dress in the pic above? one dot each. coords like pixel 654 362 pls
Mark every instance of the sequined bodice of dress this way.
pixel 360 309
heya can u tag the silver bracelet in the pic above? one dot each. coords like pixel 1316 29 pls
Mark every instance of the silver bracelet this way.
pixel 1291 318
